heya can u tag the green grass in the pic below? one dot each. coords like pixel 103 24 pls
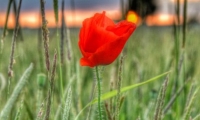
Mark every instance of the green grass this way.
pixel 148 53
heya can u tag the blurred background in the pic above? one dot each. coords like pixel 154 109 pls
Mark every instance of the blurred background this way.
pixel 166 39
pixel 148 12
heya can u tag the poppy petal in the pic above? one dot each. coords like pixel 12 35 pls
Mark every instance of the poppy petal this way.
pixel 86 62
pixel 101 41
pixel 122 27
pixel 108 53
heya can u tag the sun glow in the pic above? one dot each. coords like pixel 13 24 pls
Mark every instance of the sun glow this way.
pixel 181 1
pixel 133 17
pixel 160 19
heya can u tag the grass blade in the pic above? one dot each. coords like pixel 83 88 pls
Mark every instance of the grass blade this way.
pixel 65 95
pixel 62 32
pixel 7 14
pixel 19 110
pixel 14 41
pixel 160 100
pixel 7 108
pixel 50 92
pixel 189 106
pixel 119 82
pixel 3 83
pixel 55 7
pixel 184 22
pixel 15 13
pixel 196 117
pixel 124 89
pixel 67 104
pixel 173 98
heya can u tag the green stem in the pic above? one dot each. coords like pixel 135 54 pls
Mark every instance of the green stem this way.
pixel 60 64
pixel 99 92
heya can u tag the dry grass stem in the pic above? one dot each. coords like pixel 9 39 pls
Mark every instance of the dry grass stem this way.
pixel 40 112
pixel 173 98
pixel 119 82
pixel 160 100
pixel 45 32
pixel 10 68
pixel 50 92
pixel 62 37
pixel 108 111
pixel 15 13
pixel 184 22
pixel 6 21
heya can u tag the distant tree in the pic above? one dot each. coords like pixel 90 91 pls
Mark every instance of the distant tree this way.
pixel 142 7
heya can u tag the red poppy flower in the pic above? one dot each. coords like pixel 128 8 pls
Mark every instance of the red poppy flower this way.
pixel 101 40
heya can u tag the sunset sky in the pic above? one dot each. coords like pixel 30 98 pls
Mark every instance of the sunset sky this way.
pixel 29 16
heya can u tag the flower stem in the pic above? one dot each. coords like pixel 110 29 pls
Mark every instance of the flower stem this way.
pixel 99 93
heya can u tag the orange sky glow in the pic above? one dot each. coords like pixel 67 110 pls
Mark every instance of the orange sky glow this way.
pixel 32 19
pixel 188 0
pixel 161 19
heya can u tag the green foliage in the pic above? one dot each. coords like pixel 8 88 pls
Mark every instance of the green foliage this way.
pixel 148 54
pixel 124 89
